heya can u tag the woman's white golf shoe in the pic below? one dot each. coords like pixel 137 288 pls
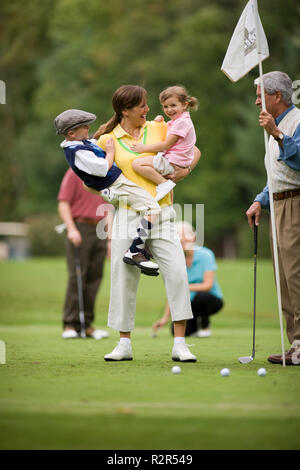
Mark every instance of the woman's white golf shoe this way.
pixel 181 353
pixel 122 352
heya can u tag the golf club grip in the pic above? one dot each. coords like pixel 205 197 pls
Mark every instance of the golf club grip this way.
pixel 255 236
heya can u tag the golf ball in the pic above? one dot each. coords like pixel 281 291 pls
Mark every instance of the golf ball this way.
pixel 176 370
pixel 224 372
pixel 262 371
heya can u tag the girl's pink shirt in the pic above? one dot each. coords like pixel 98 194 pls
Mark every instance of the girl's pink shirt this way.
pixel 182 153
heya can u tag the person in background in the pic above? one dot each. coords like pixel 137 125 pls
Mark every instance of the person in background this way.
pixel 281 120
pixel 77 209
pixel 205 293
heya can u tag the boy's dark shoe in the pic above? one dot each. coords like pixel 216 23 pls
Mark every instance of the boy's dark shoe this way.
pixel 142 262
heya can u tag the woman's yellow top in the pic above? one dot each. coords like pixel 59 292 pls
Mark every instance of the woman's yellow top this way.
pixel 151 133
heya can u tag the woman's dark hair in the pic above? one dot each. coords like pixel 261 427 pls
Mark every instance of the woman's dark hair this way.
pixel 125 97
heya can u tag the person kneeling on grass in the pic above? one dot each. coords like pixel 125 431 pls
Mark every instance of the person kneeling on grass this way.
pixel 205 293
pixel 99 174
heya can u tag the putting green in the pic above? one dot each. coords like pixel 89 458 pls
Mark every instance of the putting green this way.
pixel 61 394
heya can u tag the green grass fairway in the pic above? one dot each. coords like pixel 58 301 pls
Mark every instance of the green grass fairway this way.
pixel 61 394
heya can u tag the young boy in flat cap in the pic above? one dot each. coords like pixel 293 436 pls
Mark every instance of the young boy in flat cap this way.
pixel 99 173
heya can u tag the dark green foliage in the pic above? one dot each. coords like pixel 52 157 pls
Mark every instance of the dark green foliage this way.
pixel 44 241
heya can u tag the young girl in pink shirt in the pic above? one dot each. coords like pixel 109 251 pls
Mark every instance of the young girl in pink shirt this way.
pixel 177 149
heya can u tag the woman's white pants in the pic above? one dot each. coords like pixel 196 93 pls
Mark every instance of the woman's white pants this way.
pixel 168 253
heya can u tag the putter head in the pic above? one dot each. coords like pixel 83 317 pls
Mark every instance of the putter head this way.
pixel 245 359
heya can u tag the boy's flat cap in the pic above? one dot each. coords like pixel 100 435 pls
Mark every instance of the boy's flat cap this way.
pixel 72 118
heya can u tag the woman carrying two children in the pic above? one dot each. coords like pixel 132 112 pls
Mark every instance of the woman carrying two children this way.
pixel 129 128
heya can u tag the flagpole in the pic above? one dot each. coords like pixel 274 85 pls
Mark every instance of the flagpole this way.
pixel 270 186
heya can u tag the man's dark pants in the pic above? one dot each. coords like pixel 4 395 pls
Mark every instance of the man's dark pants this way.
pixel 92 254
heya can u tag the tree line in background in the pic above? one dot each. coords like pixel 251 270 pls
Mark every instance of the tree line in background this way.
pixel 60 54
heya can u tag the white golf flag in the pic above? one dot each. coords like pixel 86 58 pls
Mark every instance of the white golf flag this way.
pixel 242 53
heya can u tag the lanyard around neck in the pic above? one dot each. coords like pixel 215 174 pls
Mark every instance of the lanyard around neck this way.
pixel 122 143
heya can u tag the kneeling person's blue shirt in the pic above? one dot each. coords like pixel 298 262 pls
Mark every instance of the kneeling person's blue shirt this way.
pixel 203 260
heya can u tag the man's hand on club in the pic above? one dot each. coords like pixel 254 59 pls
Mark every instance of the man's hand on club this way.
pixel 254 211
pixel 75 237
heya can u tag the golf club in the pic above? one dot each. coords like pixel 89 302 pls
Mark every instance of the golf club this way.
pixel 60 229
pixel 80 292
pixel 247 359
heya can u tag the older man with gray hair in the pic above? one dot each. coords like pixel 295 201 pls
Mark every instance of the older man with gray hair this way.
pixel 282 122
